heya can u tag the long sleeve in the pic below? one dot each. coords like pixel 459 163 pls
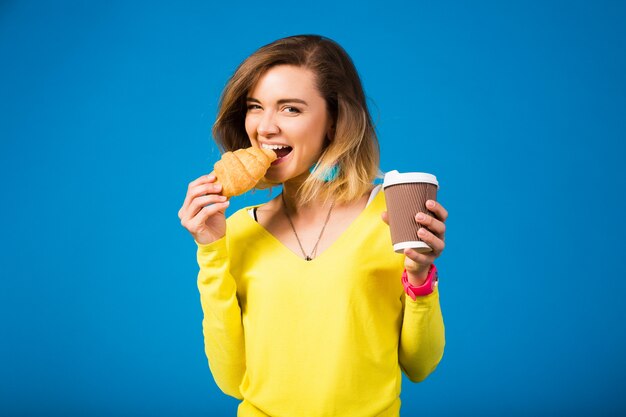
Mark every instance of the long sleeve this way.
pixel 222 324
pixel 422 338
pixel 338 350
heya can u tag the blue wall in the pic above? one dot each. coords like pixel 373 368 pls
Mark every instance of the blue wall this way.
pixel 105 114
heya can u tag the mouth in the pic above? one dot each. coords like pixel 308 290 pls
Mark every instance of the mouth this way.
pixel 281 151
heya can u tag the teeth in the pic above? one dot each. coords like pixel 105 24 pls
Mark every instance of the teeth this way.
pixel 266 146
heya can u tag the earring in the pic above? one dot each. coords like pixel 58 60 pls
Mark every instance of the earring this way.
pixel 327 175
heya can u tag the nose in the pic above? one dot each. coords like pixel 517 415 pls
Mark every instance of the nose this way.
pixel 267 125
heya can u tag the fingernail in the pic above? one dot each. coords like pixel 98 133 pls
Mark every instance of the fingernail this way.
pixel 420 216
pixel 430 203
pixel 421 232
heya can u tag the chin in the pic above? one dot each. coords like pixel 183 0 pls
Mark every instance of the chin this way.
pixel 282 178
pixel 272 182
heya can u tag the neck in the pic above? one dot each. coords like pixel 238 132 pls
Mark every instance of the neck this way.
pixel 290 189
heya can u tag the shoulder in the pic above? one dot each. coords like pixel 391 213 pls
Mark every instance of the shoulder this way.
pixel 239 221
pixel 267 211
pixel 237 216
pixel 242 220
pixel 376 198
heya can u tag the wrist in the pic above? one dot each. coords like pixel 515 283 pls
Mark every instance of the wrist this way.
pixel 427 287
pixel 418 278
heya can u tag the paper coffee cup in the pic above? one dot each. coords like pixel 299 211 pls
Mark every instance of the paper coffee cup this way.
pixel 406 195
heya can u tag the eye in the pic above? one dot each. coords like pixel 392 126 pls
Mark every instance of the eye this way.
pixel 253 106
pixel 291 109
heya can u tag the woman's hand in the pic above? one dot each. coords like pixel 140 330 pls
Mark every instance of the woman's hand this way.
pixel 202 212
pixel 417 264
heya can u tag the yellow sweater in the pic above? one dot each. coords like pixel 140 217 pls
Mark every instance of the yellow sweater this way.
pixel 327 337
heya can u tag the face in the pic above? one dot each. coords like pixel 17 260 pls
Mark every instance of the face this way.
pixel 287 114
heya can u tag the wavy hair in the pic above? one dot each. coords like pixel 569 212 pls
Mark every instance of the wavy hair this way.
pixel 353 149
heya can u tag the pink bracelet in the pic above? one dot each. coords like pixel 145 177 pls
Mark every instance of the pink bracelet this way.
pixel 426 288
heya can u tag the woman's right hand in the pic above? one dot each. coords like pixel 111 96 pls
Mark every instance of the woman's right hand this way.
pixel 202 212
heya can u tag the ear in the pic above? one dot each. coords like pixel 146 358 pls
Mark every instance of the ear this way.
pixel 330 132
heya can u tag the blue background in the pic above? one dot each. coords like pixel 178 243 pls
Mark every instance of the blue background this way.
pixel 518 107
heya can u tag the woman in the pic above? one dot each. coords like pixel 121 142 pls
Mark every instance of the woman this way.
pixel 305 311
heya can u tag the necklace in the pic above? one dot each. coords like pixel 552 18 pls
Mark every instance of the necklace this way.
pixel 312 254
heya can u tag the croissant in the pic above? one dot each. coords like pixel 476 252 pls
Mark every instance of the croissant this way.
pixel 241 170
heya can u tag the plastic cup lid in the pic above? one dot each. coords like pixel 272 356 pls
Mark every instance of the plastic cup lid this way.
pixel 394 177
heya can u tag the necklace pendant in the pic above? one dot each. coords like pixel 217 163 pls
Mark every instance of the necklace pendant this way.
pixel 306 257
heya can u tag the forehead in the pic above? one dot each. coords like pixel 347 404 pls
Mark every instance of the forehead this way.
pixel 285 80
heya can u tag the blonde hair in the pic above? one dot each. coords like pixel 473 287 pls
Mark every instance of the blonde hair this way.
pixel 353 149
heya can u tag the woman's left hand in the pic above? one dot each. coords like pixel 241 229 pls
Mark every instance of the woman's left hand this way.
pixel 433 233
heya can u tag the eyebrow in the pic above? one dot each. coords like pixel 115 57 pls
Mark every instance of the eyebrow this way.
pixel 281 101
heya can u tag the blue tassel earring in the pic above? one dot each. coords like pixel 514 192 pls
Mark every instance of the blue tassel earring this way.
pixel 328 175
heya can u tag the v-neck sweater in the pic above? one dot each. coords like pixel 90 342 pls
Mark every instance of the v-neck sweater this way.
pixel 327 337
